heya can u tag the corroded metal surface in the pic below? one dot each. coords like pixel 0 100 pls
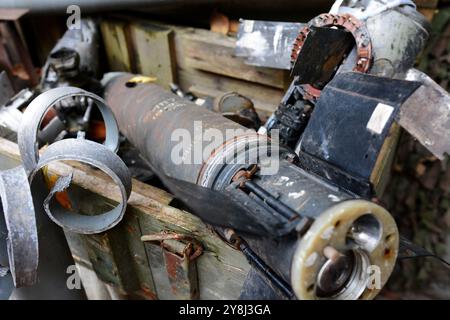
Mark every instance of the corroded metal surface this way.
pixel 347 22
pixel 150 118
pixel 179 253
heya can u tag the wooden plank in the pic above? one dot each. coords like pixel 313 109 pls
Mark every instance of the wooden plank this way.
pixel 205 62
pixel 221 269
pixel 13 14
pixel 154 52
pixel 268 97
pixel 115 42
pixel 213 52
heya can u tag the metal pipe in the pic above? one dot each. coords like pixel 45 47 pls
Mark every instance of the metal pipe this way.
pixel 152 118
pixel 157 122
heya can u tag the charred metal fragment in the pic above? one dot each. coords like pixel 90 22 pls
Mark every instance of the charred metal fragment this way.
pixel 238 108
pixel 317 67
pixel 20 221
pixel 74 60
pixel 359 110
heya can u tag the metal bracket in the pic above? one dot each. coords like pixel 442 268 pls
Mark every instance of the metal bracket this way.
pixel 180 260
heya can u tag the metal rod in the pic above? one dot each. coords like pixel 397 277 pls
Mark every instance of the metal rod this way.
pixel 274 203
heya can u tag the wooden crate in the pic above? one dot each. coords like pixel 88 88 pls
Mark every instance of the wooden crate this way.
pixel 199 60
pixel 118 264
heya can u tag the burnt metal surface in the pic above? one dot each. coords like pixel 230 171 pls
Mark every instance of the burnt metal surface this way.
pixel 317 67
pixel 394 53
pixel 214 207
pixel 426 115
pixel 348 22
pixel 256 287
pixel 95 155
pixel 301 191
pixel 36 111
pixel 359 110
pixel 147 115
pixel 275 284
pixel 291 116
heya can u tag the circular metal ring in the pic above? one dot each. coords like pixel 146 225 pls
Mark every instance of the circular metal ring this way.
pixel 35 112
pixel 96 155
pixel 236 154
pixel 331 228
pixel 21 230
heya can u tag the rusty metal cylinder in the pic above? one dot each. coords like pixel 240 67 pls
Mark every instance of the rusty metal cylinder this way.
pixel 357 232
pixel 157 122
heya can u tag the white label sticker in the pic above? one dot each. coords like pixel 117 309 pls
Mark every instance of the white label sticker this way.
pixel 379 118
pixel 248 26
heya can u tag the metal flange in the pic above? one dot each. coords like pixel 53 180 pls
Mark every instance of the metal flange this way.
pixel 356 230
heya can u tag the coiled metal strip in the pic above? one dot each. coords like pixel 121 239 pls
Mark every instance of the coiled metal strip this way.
pixel 96 155
pixel 35 112
pixel 19 227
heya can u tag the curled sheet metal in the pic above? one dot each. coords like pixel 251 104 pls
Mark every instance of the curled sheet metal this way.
pixel 35 112
pixel 96 155
pixel 20 221
pixel 426 114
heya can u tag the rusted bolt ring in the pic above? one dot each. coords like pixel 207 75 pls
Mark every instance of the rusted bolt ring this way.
pixel 349 23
